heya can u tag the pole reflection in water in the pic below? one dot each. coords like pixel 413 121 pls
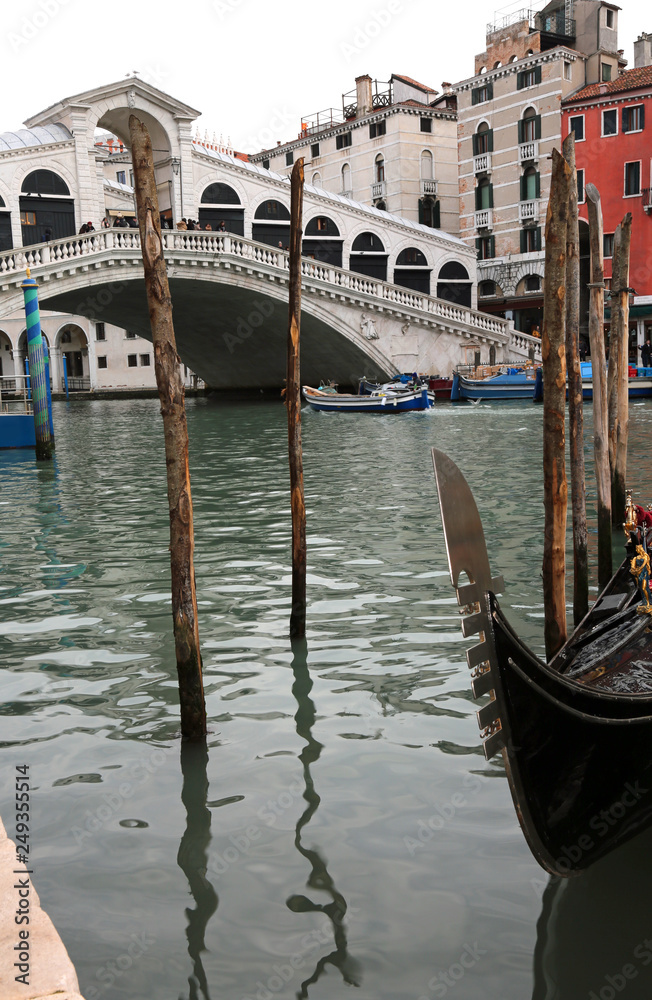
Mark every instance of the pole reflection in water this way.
pixel 193 858
pixel 594 935
pixel 319 877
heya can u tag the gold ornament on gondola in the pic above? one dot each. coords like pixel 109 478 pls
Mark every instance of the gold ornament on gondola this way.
pixel 631 521
pixel 639 567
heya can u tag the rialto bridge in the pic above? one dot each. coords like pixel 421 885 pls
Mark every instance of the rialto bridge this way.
pixel 380 294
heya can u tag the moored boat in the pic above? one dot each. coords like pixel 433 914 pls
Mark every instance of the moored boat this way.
pixel 378 402
pixel 640 384
pixel 16 414
pixel 508 382
pixel 575 732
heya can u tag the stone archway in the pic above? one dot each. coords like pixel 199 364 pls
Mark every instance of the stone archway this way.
pixel 71 343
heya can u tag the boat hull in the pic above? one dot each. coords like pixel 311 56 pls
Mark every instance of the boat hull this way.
pixel 501 387
pixel 344 403
pixel 17 430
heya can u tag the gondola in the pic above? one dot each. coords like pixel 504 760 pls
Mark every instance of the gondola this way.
pixel 575 733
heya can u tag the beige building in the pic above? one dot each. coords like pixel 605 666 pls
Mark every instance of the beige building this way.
pixel 509 120
pixel 393 145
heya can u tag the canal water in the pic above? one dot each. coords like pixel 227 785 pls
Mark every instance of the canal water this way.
pixel 343 830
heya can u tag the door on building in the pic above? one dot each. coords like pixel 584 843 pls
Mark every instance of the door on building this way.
pixel 46 208
pixel 74 364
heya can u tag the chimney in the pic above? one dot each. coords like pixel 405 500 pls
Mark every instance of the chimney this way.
pixel 363 96
pixel 643 50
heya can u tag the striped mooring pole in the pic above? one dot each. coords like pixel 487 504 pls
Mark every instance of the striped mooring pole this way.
pixel 44 437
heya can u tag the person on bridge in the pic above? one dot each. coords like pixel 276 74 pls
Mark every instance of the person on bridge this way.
pixel 106 222
pixel 120 221
pixel 182 224
pixel 208 227
pixel 90 228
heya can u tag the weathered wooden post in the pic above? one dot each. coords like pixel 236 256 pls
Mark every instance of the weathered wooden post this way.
pixel 293 404
pixel 171 395
pixel 553 352
pixel 619 420
pixel 37 372
pixel 598 365
pixel 575 408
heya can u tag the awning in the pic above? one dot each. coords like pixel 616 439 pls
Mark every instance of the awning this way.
pixel 121 211
pixel 634 311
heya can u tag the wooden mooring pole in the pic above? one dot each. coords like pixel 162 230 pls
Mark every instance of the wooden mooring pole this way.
pixel 575 407
pixel 171 395
pixel 598 365
pixel 293 404
pixel 553 352
pixel 619 415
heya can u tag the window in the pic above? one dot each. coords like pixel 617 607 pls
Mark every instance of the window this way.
pixel 610 122
pixel 145 360
pixel 481 94
pixel 610 19
pixel 102 361
pixel 265 164
pixel 483 195
pixel 580 187
pixel 376 129
pixel 531 240
pixel 100 332
pixel 314 150
pixel 132 360
pixel 529 127
pixel 379 169
pixel 606 72
pixel 130 336
pixel 632 178
pixel 322 224
pixel 528 78
pixel 343 140
pixel 483 140
pixel 28 218
pixel 633 119
pixel 530 185
pixel 577 126
pixel 121 176
pixel 608 244
pixel 486 288
pixel 532 283
pixel 289 158
pixel 425 124
pixel 426 165
pixel 568 71
pixel 486 247
pixel 131 177
pixel 346 178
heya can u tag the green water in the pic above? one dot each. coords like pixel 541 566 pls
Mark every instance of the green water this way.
pixel 343 831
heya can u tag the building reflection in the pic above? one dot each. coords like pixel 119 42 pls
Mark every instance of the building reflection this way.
pixel 193 859
pixel 319 878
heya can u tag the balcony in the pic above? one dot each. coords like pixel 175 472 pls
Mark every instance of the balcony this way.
pixel 484 218
pixel 528 151
pixel 528 211
pixel 429 187
pixel 482 163
pixel 378 190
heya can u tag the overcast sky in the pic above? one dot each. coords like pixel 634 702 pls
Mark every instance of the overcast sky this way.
pixel 253 68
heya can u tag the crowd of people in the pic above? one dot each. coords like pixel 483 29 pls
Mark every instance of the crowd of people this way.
pixel 194 225
pixel 122 221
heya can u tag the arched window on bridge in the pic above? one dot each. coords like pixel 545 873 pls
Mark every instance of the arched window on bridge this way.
pixel 47 210
pixel 6 241
pixel 454 284
pixel 368 256
pixel 322 241
pixel 272 224
pixel 221 204
pixel 411 270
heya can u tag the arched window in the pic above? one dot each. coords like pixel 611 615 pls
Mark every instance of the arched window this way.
pixel 379 168
pixel 322 226
pixel 513 58
pixel 482 142
pixel 219 194
pixel 497 65
pixel 412 257
pixel 426 165
pixel 316 180
pixel 322 241
pixel 368 243
pixel 486 288
pixel 272 211
pixel 529 126
pixel 346 179
pixel 368 256
pixel 44 182
pixel 454 284
pixel 411 270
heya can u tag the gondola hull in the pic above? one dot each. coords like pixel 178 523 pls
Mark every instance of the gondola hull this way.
pixel 575 733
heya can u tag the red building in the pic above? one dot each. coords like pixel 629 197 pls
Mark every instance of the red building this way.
pixel 612 122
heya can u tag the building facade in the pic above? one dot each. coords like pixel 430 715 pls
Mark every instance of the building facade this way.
pixel 612 122
pixel 509 120
pixel 393 145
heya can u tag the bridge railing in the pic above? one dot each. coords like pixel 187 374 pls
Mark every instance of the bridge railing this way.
pixel 111 241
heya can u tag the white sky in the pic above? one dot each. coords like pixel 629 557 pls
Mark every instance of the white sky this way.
pixel 252 67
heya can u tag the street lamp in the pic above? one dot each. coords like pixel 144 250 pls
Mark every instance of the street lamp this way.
pixel 176 165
